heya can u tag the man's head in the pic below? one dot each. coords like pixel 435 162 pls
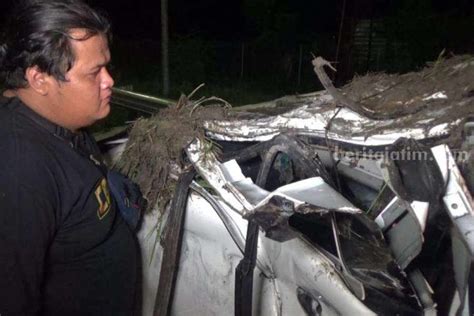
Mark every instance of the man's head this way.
pixel 54 56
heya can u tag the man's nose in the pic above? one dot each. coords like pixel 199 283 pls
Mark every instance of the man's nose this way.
pixel 107 80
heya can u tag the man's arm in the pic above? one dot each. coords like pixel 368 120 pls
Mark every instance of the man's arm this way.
pixel 27 221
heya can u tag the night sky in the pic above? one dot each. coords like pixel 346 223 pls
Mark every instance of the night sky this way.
pixel 211 19
pixel 217 19
pixel 244 19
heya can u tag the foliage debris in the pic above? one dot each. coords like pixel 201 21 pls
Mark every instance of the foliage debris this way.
pixel 154 150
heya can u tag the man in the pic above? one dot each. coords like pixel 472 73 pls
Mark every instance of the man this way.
pixel 64 248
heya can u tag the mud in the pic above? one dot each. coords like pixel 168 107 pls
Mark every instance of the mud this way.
pixel 443 92
pixel 382 92
pixel 155 147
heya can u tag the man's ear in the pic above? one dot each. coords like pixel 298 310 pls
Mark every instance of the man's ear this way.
pixel 39 81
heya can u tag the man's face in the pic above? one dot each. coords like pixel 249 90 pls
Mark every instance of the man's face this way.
pixel 84 98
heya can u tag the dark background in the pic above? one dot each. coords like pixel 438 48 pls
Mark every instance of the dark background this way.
pixel 251 50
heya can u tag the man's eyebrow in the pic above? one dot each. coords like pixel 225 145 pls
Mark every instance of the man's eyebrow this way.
pixel 101 65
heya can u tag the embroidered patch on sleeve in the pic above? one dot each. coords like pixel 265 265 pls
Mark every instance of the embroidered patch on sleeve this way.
pixel 103 198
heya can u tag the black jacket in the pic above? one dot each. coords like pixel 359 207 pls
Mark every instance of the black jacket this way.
pixel 64 249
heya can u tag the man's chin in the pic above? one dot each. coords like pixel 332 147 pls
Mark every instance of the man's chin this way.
pixel 105 111
pixel 101 115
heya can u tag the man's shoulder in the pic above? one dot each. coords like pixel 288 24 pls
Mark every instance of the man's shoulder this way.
pixel 5 112
pixel 28 161
pixel 13 124
pixel 3 100
pixel 8 116
pixel 20 140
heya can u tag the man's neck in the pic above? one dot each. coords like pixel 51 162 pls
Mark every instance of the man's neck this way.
pixel 9 93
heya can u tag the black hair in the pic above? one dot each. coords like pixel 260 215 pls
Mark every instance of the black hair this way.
pixel 37 33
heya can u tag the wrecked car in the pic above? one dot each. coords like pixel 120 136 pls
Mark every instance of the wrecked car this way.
pixel 352 201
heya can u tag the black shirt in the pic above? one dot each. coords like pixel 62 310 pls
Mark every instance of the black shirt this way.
pixel 64 248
